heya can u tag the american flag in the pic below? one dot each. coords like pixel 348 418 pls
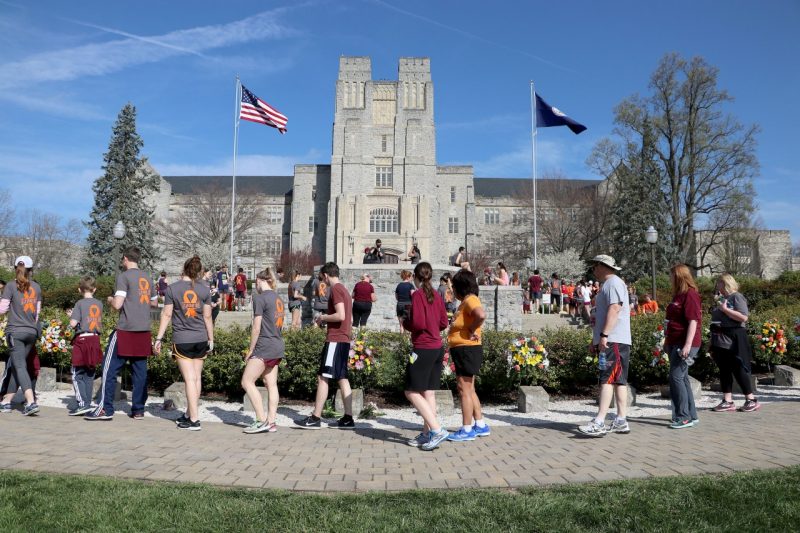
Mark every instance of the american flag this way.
pixel 255 109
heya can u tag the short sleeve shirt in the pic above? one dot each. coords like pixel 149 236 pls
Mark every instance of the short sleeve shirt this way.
pixel 270 308
pixel 683 309
pixel 22 316
pixel 362 292
pixel 340 331
pixel 321 293
pixel 188 300
pixel 403 291
pixel 135 285
pixel 460 331
pixel 735 301
pixel 88 313
pixel 295 287
pixel 613 291
pixel 240 282
pixel 535 283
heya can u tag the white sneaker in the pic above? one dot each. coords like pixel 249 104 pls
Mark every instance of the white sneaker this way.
pixel 593 429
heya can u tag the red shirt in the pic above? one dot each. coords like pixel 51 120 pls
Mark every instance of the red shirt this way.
pixel 684 307
pixel 241 282
pixel 535 283
pixel 340 331
pixel 426 320
pixel 362 292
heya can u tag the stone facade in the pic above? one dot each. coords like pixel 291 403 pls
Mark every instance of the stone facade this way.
pixel 762 253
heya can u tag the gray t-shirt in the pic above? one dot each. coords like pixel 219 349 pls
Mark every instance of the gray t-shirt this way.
pixel 321 293
pixel 188 325
pixel 735 301
pixel 295 287
pixel 135 285
pixel 613 291
pixel 88 313
pixel 22 309
pixel 269 307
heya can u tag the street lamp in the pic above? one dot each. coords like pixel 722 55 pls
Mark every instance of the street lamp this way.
pixel 528 264
pixel 119 234
pixel 651 235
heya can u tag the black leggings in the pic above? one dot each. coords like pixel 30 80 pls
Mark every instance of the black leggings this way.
pixel 731 366
pixel 361 311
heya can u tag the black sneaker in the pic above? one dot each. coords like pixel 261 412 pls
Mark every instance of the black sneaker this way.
pixel 98 415
pixel 309 422
pixel 189 425
pixel 750 406
pixel 182 418
pixel 346 422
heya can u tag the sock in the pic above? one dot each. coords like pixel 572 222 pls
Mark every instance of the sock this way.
pixel 480 423
pixel 467 429
pixel 619 420
pixel 600 422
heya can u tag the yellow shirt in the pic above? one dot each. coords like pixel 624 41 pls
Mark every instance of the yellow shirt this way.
pixel 460 330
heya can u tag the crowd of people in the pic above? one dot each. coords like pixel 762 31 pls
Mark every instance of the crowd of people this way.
pixel 423 311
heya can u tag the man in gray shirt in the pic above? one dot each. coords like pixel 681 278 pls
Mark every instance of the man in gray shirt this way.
pixel 611 341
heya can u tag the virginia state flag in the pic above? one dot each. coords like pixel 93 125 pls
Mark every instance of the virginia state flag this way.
pixel 547 115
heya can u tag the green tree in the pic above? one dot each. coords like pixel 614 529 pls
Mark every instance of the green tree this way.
pixel 119 195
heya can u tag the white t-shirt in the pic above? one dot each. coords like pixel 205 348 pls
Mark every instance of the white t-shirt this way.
pixel 613 291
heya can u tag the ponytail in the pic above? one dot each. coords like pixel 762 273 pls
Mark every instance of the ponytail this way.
pixel 23 276
pixel 193 268
pixel 423 272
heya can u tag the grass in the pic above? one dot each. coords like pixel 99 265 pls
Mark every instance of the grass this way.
pixel 751 501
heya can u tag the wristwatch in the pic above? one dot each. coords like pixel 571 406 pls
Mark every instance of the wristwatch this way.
pixel 603 336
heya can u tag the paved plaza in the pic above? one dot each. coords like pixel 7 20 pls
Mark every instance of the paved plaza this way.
pixel 378 459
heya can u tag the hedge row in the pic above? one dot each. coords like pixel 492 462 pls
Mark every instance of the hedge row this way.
pixel 572 369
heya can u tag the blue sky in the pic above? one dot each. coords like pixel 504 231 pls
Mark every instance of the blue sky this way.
pixel 66 69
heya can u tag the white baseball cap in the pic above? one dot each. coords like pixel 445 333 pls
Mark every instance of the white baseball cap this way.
pixel 606 260
pixel 26 261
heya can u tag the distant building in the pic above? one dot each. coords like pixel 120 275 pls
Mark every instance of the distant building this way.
pixel 762 253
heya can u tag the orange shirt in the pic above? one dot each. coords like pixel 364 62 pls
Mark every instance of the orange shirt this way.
pixel 649 307
pixel 460 330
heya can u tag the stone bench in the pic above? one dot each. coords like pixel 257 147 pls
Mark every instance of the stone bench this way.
pixel 532 400
pixel 177 394
pixel 338 403
pixel 736 389
pixel 445 405
pixel 786 376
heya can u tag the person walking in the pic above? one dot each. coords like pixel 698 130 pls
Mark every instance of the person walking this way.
pixel 535 283
pixel 86 318
pixel 363 298
pixel 319 301
pixel 335 352
pixel 682 342
pixel 466 350
pixel 240 285
pixel 296 299
pixel 187 305
pixel 402 294
pixel 162 285
pixel 730 345
pixel 131 341
pixel 210 281
pixel 266 351
pixel 426 320
pixel 22 299
pixel 611 341
pixel 555 292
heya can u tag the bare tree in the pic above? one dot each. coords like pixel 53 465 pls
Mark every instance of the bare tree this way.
pixel 302 261
pixel 6 212
pixel 49 240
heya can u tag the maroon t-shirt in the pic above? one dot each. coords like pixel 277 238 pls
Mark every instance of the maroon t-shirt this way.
pixel 535 283
pixel 362 292
pixel 340 331
pixel 684 307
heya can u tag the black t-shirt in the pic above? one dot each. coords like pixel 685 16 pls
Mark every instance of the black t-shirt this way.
pixel 403 291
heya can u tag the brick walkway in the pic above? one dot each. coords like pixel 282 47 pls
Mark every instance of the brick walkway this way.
pixel 374 459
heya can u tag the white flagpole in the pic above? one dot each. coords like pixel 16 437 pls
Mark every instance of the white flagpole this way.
pixel 533 164
pixel 235 149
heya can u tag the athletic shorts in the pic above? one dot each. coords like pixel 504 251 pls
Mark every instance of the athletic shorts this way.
pixel 86 350
pixel 536 295
pixel 268 363
pixel 241 294
pixel 190 350
pixel 468 360
pixel 134 343
pixel 617 358
pixel 333 360
pixel 424 369
pixel 295 304
pixel 400 309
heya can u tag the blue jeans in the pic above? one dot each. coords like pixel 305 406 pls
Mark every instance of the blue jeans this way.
pixel 680 391
pixel 112 364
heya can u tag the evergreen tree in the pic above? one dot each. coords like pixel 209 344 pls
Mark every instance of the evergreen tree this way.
pixel 119 195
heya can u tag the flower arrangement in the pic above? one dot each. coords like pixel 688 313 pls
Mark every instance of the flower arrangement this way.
pixel 772 339
pixel 55 338
pixel 527 359
pixel 660 357
pixel 448 367
pixel 362 355
pixel 3 324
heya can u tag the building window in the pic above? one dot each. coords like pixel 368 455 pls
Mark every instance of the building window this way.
pixel 383 177
pixel 519 216
pixel 452 195
pixel 313 192
pixel 246 245
pixel 312 224
pixel 384 143
pixel 452 225
pixel 272 245
pixel 383 220
pixel 491 216
pixel 274 214
pixel 744 251
pixel 490 247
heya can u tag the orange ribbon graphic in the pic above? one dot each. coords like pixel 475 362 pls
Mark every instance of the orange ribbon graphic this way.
pixel 29 301
pixel 94 317
pixel 279 313
pixel 190 304
pixel 322 288
pixel 144 291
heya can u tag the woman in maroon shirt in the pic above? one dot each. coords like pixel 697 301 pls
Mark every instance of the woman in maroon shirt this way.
pixel 363 296
pixel 684 316
pixel 426 319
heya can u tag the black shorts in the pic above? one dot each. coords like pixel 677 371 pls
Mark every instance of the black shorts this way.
pixel 468 360
pixel 190 350
pixel 295 304
pixel 333 360
pixel 555 299
pixel 401 310
pixel 617 359
pixel 424 369
pixel 241 294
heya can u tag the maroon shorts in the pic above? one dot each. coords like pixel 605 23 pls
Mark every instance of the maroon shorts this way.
pixel 86 351
pixel 134 343
pixel 268 363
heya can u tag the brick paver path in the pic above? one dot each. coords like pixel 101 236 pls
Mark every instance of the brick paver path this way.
pixel 376 459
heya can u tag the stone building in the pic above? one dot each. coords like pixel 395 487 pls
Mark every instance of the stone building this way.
pixel 762 253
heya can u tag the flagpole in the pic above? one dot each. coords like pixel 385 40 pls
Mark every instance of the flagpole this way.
pixel 235 149
pixel 533 165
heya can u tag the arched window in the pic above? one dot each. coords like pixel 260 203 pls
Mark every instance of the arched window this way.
pixel 383 220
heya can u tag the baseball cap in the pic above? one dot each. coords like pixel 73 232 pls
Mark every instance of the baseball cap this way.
pixel 26 261
pixel 606 260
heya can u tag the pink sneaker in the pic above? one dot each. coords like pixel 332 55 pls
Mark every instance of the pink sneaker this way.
pixel 750 406
pixel 724 407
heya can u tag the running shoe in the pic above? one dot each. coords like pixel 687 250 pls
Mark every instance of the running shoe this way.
pixel 681 424
pixel 189 425
pixel 98 415
pixel 137 416
pixel 724 406
pixel 78 411
pixel 695 421
pixel 182 418
pixel 619 427
pixel 481 432
pixel 593 429
pixel 435 439
pixel 309 422
pixel 419 440
pixel 750 406
pixel 257 427
pixel 31 409
pixel 5 408
pixel 462 436
pixel 346 422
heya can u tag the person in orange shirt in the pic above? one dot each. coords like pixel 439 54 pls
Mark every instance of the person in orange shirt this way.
pixel 650 306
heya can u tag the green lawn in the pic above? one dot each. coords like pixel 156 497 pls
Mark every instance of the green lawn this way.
pixel 754 501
